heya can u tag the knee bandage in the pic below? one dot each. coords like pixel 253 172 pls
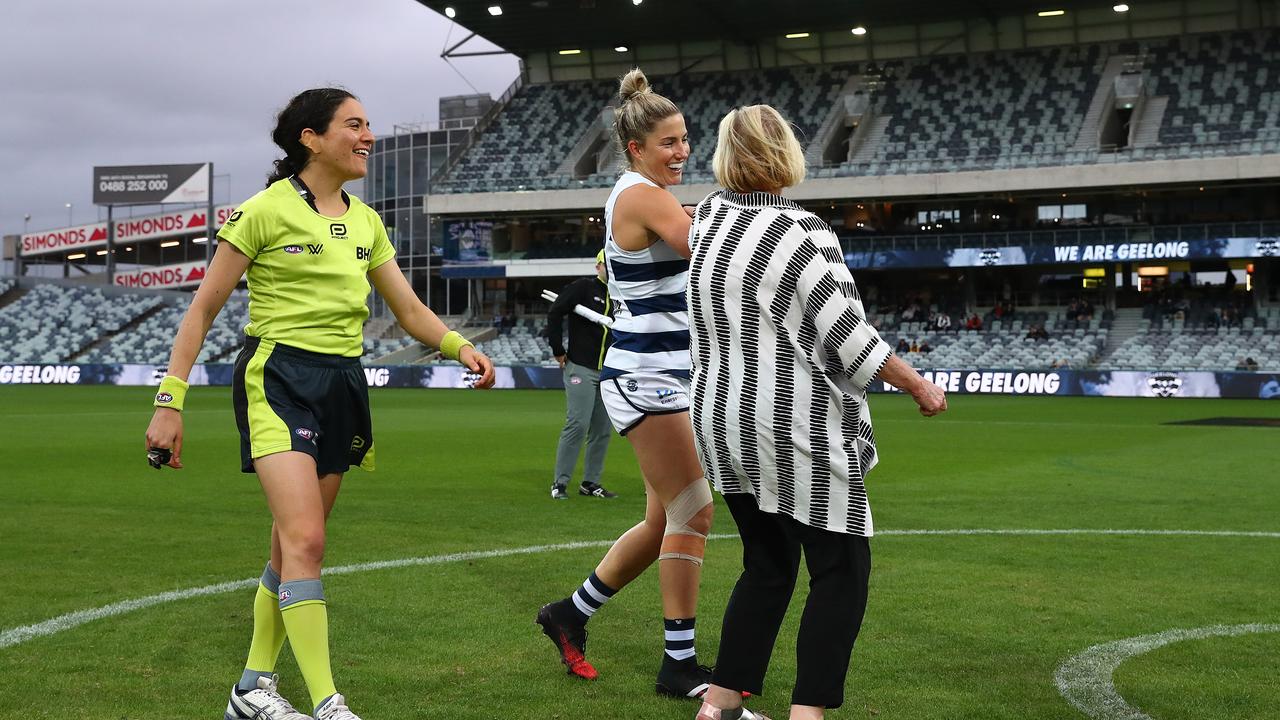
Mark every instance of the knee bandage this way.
pixel 681 542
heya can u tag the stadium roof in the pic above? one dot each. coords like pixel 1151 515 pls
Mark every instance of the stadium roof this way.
pixel 526 26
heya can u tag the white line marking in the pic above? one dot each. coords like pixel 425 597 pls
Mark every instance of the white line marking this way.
pixel 62 623
pixel 1085 679
pixel 1089 531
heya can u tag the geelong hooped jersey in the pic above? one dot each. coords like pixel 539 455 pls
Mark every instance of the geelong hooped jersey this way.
pixel 651 321
pixel 308 282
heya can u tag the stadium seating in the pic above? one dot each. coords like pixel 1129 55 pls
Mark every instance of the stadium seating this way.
pixel 1222 88
pixel 377 348
pixel 978 111
pixel 1001 343
pixel 152 340
pixel 1190 342
pixel 519 345
pixel 995 110
pixel 52 323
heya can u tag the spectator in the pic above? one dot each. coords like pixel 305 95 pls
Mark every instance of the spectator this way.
pixel 902 348
pixel 1230 317
pixel 924 347
pixel 1037 332
pixel 941 321
pixel 915 346
pixel 818 319
pixel 1250 364
pixel 973 323
pixel 1213 319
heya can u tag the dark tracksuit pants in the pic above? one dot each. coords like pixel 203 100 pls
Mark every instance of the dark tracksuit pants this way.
pixel 839 567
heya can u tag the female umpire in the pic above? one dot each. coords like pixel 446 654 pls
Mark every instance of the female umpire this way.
pixel 301 400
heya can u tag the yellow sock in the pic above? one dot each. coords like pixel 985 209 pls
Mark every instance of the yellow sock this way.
pixel 268 631
pixel 306 619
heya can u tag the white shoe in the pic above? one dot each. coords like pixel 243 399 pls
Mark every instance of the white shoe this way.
pixel 262 703
pixel 335 708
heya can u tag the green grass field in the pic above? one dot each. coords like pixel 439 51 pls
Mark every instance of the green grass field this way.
pixel 958 626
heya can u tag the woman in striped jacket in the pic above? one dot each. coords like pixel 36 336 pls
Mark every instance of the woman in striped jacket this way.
pixel 782 357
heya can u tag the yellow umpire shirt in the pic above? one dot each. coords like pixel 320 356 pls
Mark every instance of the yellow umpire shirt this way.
pixel 308 283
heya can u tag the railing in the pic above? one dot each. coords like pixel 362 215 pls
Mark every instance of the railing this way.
pixel 1059 236
pixel 1059 155
pixel 481 125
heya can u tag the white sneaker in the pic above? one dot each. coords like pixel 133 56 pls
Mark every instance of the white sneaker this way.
pixel 335 708
pixel 262 703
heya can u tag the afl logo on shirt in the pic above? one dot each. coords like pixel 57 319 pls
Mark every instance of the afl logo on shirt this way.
pixel 293 249
pixel 338 231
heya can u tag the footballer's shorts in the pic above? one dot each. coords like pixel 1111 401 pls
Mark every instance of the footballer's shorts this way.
pixel 287 398
pixel 633 397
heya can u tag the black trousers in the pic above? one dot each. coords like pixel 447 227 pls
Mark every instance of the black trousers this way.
pixel 839 568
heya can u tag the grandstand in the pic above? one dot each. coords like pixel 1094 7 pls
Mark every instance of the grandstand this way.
pixel 999 110
pixel 1009 159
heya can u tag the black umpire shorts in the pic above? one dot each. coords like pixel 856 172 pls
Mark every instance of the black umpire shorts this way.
pixel 287 398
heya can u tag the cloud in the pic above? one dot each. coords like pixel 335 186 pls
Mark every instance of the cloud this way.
pixel 149 81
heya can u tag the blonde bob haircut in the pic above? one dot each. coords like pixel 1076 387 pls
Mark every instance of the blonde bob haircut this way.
pixel 757 150
pixel 639 110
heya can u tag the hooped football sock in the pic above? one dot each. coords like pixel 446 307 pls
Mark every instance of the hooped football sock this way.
pixel 590 597
pixel 679 634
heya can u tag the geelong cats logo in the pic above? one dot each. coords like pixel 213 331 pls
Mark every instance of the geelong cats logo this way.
pixel 1164 384
pixel 1267 247
pixel 990 256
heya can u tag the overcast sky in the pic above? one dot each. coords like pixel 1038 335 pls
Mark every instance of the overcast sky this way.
pixel 124 82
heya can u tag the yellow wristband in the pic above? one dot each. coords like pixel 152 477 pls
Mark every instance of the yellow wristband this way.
pixel 173 392
pixel 452 343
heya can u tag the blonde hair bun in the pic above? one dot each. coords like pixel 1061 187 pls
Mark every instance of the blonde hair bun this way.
pixel 633 83
pixel 640 110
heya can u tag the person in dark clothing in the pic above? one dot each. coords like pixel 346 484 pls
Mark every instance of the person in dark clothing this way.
pixel 585 417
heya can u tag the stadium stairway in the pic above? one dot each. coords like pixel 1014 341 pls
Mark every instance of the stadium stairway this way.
pixel 1088 137
pixel 12 296
pixel 1127 323
pixel 1149 124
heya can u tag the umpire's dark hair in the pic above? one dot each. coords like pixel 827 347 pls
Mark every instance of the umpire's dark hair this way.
pixel 308 109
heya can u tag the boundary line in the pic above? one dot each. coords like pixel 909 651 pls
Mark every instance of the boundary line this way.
pixel 10 637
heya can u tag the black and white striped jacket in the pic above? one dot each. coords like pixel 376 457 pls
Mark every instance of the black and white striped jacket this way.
pixel 782 356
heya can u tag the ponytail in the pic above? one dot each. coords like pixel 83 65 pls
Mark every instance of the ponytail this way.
pixel 312 109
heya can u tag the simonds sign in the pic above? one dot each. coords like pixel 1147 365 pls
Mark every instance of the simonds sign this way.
pixel 164 276
pixel 136 229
